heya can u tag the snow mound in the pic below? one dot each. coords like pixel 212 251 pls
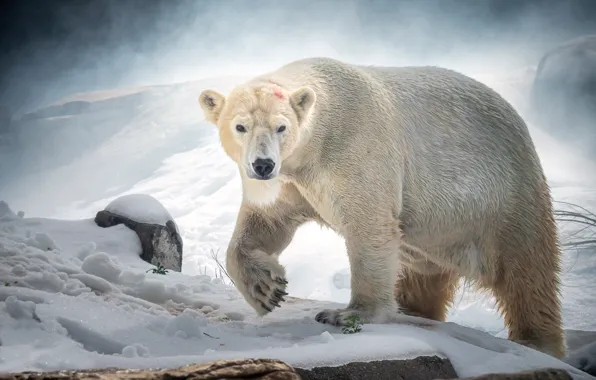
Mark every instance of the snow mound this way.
pixel 77 296
pixel 141 208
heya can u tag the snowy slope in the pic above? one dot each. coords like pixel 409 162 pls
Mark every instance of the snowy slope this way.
pixel 78 296
pixel 120 137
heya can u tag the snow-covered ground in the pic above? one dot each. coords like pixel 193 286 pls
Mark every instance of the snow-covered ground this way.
pixel 78 296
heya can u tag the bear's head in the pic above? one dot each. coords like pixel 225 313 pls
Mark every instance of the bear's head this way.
pixel 259 125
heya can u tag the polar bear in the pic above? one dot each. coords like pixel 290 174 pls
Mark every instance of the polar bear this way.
pixel 429 175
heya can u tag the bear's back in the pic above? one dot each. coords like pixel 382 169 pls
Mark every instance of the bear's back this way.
pixel 456 142
pixel 442 95
pixel 436 112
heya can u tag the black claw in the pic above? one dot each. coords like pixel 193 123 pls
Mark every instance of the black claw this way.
pixel 282 280
pixel 321 317
pixel 266 307
pixel 280 293
pixel 275 303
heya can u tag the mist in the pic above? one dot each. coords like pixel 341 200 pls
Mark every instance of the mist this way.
pixel 69 46
pixel 61 48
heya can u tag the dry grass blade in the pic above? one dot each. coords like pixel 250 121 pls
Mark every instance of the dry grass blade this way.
pixel 578 215
pixel 222 268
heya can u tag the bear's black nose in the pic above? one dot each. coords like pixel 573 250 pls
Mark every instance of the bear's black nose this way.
pixel 263 167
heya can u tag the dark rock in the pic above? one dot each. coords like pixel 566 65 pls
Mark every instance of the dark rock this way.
pixel 161 245
pixel 540 374
pixel 584 358
pixel 420 368
pixel 581 346
pixel 564 92
pixel 576 339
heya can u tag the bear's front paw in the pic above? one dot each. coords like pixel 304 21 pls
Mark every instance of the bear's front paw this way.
pixel 264 285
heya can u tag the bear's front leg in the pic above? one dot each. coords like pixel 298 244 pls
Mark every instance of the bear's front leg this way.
pixel 260 236
pixel 373 266
pixel 259 277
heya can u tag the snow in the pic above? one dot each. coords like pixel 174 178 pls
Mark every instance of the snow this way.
pixel 79 296
pixel 141 208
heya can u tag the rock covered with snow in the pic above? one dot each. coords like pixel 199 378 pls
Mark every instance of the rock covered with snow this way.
pixel 582 350
pixel 421 367
pixel 159 235
pixel 5 211
pixel 141 208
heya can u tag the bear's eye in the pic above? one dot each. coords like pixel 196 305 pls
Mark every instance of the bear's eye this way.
pixel 281 129
pixel 240 128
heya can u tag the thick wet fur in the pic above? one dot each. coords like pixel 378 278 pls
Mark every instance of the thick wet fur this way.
pixel 429 175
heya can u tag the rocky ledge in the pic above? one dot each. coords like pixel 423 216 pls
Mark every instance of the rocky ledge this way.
pixel 420 368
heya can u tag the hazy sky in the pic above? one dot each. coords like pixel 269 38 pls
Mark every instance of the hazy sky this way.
pixel 50 47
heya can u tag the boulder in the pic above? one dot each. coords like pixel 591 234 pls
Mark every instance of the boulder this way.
pixel 563 95
pixel 539 374
pixel 582 350
pixel 161 242
pixel 420 368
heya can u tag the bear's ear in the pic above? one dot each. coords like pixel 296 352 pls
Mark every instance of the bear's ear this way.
pixel 302 101
pixel 212 103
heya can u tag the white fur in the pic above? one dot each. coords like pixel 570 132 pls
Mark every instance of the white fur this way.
pixel 423 163
pixel 261 193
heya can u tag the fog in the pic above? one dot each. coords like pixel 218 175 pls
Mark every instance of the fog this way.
pixel 85 45
pixel 79 46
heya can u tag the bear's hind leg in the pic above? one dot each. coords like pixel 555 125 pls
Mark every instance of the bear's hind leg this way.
pixel 426 295
pixel 526 286
pixel 373 266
